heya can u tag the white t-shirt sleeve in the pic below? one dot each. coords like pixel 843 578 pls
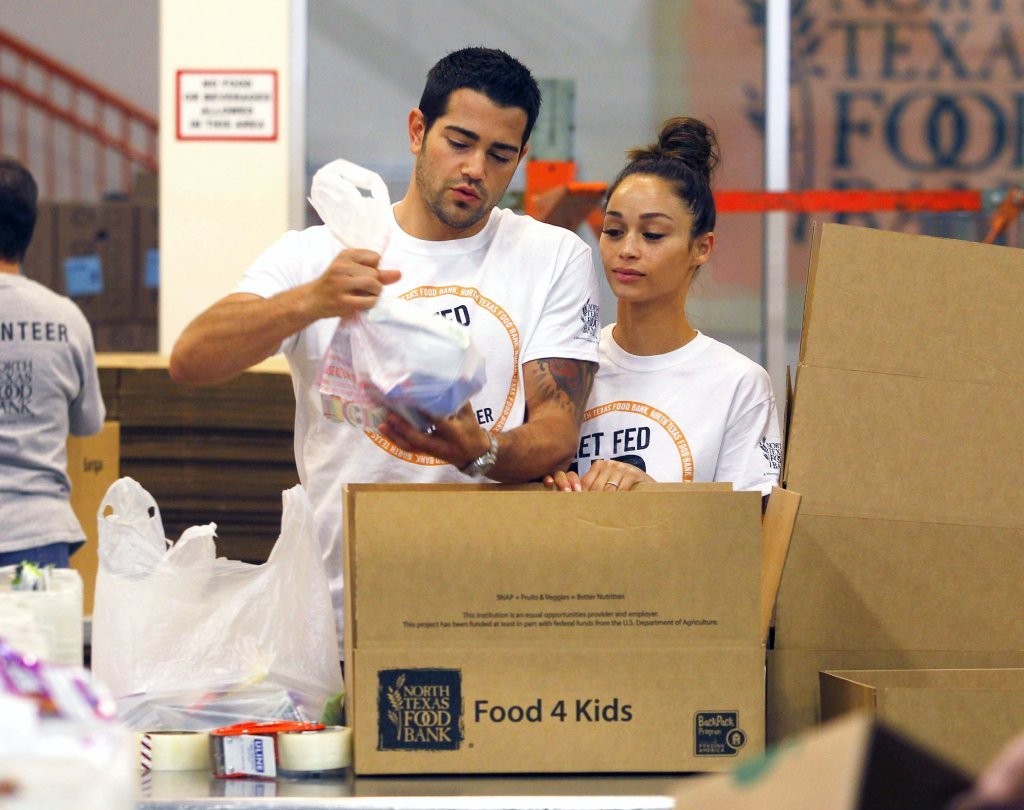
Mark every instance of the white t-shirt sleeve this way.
pixel 294 259
pixel 570 325
pixel 751 452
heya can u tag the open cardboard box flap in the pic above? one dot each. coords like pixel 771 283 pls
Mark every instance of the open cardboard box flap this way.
pixel 902 444
pixel 984 705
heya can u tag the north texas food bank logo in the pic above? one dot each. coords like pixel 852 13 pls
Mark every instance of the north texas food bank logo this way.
pixel 419 709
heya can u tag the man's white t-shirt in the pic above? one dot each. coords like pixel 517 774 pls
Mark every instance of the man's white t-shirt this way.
pixel 526 290
pixel 703 412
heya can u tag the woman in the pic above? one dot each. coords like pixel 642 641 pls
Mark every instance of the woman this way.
pixel 669 403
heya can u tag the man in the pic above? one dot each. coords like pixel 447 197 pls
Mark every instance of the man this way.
pixel 49 387
pixel 526 290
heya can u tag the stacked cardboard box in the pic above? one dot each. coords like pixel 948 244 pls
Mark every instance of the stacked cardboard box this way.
pixel 105 256
pixel 221 454
pixel 906 443
pixel 93 465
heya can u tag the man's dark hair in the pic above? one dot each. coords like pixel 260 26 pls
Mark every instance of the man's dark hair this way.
pixel 503 79
pixel 19 197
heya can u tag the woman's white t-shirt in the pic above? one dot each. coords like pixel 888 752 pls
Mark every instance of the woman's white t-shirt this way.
pixel 703 412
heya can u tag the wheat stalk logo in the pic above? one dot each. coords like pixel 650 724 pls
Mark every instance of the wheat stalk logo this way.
pixel 395 701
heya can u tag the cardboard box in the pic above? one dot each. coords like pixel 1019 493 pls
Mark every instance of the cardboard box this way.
pixel 902 444
pixel 855 763
pixel 118 252
pixel 146 271
pixel 40 259
pixel 221 453
pixel 78 269
pixel 94 463
pixel 793 675
pixel 966 716
pixel 96 253
pixel 602 633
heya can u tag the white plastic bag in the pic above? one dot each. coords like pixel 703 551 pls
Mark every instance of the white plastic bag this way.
pixel 354 204
pixel 186 640
pixel 395 356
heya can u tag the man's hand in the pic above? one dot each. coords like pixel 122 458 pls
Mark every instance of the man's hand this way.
pixel 243 329
pixel 458 440
pixel 556 392
pixel 603 476
pixel 351 283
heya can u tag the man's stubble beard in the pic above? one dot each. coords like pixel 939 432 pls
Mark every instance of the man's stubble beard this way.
pixel 435 202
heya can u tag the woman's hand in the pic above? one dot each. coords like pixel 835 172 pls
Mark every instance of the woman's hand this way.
pixel 563 481
pixel 603 476
pixel 611 476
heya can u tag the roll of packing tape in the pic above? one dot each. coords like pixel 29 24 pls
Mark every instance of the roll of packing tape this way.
pixel 291 748
pixel 309 752
pixel 174 750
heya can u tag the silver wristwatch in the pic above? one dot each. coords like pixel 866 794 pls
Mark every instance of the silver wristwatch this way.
pixel 483 464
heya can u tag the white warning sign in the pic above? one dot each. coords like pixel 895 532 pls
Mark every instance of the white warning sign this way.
pixel 236 105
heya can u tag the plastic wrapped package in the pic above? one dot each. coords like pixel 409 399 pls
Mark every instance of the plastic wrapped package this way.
pixel 60 746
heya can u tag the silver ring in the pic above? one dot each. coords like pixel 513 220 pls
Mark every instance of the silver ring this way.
pixel 612 484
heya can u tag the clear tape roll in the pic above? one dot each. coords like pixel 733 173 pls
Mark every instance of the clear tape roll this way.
pixel 328 749
pixel 173 750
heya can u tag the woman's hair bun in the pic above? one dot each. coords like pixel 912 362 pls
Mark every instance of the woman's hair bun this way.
pixel 681 138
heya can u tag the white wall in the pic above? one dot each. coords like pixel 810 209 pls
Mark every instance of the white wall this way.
pixel 221 201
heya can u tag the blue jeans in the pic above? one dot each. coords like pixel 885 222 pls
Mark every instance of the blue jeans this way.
pixel 55 554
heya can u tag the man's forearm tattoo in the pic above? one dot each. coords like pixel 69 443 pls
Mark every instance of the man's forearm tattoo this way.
pixel 567 381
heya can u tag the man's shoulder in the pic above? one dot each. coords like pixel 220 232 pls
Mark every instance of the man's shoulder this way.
pixel 29 290
pixel 516 225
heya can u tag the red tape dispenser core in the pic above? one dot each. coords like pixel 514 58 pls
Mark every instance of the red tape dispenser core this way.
pixel 267 750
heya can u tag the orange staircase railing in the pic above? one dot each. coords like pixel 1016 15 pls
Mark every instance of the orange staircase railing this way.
pixel 79 139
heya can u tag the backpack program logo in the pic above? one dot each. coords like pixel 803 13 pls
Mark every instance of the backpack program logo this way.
pixel 419 709
pixel 718 734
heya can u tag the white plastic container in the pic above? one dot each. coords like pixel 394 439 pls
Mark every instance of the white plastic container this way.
pixel 50 763
pixel 56 615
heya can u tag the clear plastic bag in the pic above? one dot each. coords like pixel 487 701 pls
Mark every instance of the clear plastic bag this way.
pixel 395 356
pixel 185 640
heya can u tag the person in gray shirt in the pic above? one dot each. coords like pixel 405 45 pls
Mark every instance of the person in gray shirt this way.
pixel 49 387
